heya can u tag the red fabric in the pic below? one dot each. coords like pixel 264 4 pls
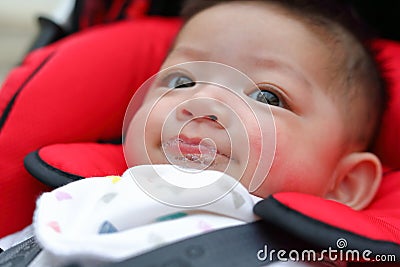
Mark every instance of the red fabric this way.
pixel 80 94
pixel 137 9
pixel 380 221
pixel 388 143
pixel 85 159
pixel 96 12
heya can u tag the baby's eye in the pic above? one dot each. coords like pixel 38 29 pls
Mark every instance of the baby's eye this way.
pixel 180 81
pixel 267 96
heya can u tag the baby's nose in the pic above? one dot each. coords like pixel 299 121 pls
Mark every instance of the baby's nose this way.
pixel 211 102
pixel 207 110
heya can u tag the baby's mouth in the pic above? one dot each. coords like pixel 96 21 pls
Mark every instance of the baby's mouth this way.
pixel 193 153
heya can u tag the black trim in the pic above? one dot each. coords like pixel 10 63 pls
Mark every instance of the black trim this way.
pixel 228 247
pixel 76 14
pixel 167 8
pixel 49 32
pixel 10 104
pixel 381 16
pixel 115 141
pixel 46 173
pixel 122 12
pixel 317 232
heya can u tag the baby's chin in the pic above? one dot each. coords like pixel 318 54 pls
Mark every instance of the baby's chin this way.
pixel 216 162
pixel 192 155
pixel 197 161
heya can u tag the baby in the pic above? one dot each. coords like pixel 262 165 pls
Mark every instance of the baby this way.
pixel 306 123
pixel 279 95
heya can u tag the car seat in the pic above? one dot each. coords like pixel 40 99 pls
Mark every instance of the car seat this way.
pixel 61 114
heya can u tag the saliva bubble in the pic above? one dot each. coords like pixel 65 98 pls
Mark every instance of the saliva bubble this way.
pixel 191 156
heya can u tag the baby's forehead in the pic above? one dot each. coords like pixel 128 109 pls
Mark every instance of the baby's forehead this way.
pixel 331 34
pixel 332 37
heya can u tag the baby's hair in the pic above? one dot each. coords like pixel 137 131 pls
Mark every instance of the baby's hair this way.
pixel 357 80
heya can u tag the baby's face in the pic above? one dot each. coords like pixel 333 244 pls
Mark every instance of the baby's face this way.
pixel 285 134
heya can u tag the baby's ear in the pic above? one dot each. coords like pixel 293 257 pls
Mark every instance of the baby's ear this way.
pixel 356 180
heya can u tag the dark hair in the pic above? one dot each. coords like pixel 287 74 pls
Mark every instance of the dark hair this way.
pixel 315 11
pixel 364 90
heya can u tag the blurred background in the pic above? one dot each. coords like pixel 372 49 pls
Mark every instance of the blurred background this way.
pixel 19 25
pixel 18 28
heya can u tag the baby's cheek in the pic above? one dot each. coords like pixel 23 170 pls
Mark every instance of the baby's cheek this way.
pixel 252 160
pixel 264 150
pixel 138 137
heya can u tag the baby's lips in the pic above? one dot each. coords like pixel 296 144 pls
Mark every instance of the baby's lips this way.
pixel 184 146
pixel 203 148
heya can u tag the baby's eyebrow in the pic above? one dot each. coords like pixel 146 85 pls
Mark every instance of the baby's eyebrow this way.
pixel 192 53
pixel 276 64
pixel 189 52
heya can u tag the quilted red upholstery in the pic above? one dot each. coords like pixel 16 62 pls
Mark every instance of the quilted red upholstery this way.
pixel 75 90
